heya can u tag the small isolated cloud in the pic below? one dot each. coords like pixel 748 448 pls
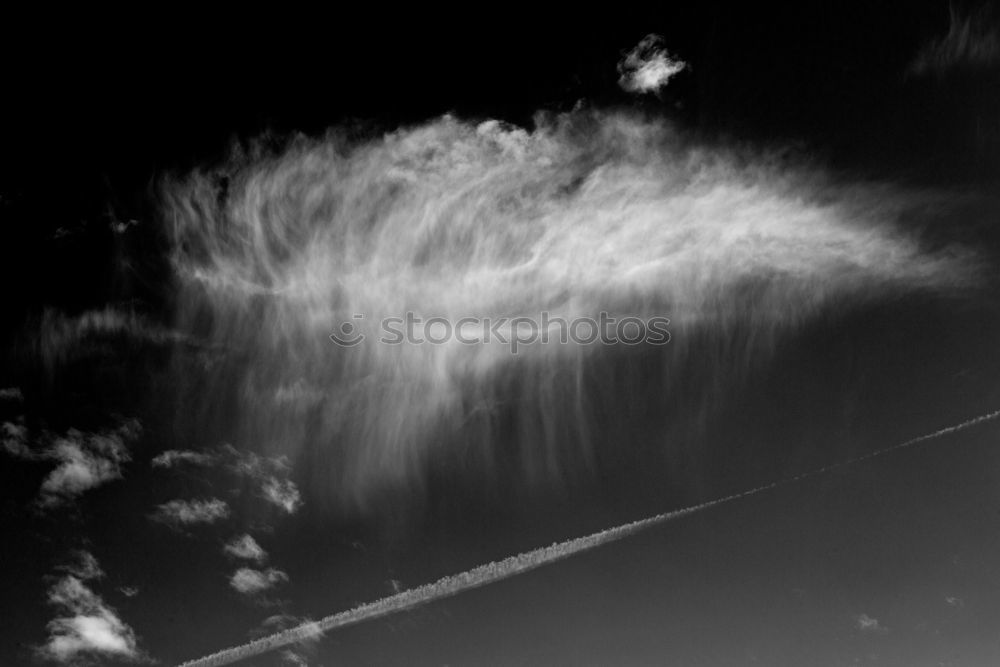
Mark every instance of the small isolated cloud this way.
pixel 866 623
pixel 648 67
pixel 179 513
pixel 84 461
pixel 953 601
pixel 972 41
pixel 86 627
pixel 246 548
pixel 175 457
pixel 128 591
pixel 249 581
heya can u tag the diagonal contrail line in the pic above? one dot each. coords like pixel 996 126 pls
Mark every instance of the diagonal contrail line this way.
pixel 514 565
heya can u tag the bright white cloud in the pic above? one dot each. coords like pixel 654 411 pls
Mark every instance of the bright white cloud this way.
pixel 245 547
pixel 648 67
pixel 178 513
pixel 87 626
pixel 249 581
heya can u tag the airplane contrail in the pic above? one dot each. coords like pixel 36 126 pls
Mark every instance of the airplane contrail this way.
pixel 514 565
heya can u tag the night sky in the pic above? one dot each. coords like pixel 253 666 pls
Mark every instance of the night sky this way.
pixel 190 205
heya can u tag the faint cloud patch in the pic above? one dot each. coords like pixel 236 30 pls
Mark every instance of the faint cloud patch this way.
pixel 11 394
pixel 866 623
pixel 972 41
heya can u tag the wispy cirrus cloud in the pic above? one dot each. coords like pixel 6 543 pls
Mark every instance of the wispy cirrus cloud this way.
pixel 972 41
pixel 180 513
pixel 245 547
pixel 87 628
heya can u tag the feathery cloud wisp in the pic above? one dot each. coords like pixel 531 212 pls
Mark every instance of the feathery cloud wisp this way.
pixel 972 41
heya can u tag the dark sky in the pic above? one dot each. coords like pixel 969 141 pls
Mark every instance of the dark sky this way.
pixel 890 562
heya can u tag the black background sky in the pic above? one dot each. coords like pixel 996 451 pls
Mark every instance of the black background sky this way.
pixel 95 110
